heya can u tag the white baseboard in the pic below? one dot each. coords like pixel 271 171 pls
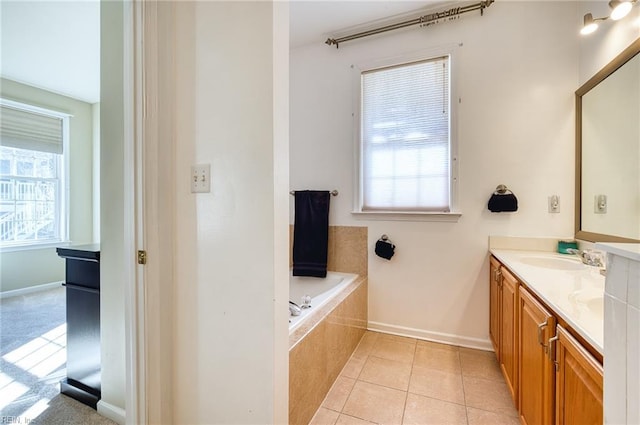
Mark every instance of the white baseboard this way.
pixel 461 341
pixel 112 412
pixel 29 290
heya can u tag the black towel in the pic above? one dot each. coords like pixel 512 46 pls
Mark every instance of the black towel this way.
pixel 385 249
pixel 311 233
pixel 506 202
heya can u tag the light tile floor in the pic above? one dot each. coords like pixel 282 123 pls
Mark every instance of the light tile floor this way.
pixel 397 380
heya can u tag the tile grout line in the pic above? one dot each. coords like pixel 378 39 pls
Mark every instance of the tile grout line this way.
pixel 464 394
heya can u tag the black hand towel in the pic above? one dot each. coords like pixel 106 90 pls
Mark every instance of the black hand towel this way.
pixel 385 249
pixel 506 202
pixel 311 233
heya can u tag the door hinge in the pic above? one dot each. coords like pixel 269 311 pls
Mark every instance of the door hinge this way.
pixel 142 257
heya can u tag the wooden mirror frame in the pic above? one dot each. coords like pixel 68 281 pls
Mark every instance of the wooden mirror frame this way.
pixel 609 69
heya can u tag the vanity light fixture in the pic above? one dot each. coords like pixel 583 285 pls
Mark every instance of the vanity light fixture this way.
pixel 619 9
pixel 590 24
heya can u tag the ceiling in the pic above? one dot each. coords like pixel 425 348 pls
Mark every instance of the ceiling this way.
pixel 55 45
pixel 312 21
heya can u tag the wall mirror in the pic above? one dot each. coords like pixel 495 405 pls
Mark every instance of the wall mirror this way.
pixel 608 152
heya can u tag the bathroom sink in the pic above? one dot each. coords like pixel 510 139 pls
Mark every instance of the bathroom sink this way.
pixel 592 299
pixel 552 263
pixel 596 305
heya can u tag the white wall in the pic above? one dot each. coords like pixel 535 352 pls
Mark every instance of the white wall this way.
pixel 231 245
pixel 113 277
pixel 517 72
pixel 95 111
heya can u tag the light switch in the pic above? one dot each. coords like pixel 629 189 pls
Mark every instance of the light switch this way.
pixel 200 178
pixel 600 204
pixel 554 203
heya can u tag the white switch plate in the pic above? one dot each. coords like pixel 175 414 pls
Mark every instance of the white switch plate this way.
pixel 600 204
pixel 200 178
pixel 554 203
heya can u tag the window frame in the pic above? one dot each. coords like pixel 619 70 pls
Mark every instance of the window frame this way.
pixel 62 206
pixel 454 160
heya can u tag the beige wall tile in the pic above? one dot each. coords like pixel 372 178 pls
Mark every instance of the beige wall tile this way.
pixel 316 361
pixel 347 249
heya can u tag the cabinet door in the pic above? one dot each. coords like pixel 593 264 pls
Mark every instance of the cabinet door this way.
pixel 508 332
pixel 578 383
pixel 494 304
pixel 535 384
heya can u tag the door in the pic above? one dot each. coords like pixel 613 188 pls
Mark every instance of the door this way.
pixel 535 325
pixel 579 383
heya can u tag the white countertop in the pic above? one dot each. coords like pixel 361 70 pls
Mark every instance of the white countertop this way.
pixel 627 250
pixel 575 292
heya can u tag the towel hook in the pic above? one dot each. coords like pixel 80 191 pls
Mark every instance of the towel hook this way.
pixel 334 192
pixel 502 189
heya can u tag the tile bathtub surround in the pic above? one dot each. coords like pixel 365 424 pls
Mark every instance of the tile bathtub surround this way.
pixel 398 380
pixel 622 334
pixel 320 350
pixel 347 251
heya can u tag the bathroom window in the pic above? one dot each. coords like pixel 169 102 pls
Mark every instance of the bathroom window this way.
pixel 32 195
pixel 406 148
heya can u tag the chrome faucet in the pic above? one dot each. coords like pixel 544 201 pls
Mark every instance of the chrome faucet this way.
pixel 294 309
pixel 588 256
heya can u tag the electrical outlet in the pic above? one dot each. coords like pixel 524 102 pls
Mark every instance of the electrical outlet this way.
pixel 554 203
pixel 200 178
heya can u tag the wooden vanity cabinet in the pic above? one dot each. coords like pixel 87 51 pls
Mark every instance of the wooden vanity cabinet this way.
pixel 579 383
pixel 508 331
pixel 536 368
pixel 553 378
pixel 503 323
pixel 494 304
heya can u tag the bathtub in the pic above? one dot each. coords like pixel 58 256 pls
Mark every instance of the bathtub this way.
pixel 323 337
pixel 321 291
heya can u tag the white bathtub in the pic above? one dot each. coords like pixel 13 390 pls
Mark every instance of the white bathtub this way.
pixel 321 290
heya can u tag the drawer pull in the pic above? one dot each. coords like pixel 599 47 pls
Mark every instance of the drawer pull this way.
pixel 552 351
pixel 541 326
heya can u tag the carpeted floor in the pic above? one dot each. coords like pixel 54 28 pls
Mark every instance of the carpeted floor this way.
pixel 32 362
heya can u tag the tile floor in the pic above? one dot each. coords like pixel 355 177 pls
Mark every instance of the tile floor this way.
pixel 397 380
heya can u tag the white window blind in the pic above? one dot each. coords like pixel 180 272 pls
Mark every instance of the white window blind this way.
pixel 28 130
pixel 405 137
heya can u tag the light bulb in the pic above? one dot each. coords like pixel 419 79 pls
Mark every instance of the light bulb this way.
pixel 620 9
pixel 589 25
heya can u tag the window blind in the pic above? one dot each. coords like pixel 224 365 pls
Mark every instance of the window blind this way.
pixel 24 129
pixel 405 139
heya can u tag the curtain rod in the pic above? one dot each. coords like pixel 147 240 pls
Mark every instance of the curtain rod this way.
pixel 424 20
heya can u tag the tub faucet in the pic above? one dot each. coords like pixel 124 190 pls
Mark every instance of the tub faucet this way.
pixel 294 309
pixel 588 257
